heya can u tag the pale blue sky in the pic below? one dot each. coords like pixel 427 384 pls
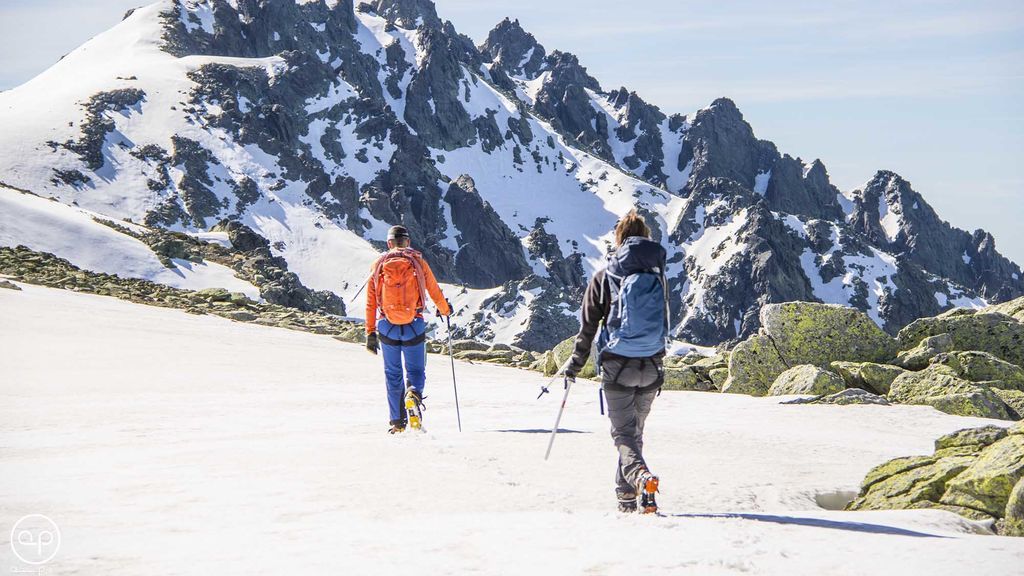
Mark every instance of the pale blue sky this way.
pixel 930 89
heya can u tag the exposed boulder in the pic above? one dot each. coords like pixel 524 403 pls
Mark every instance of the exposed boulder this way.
pixel 936 387
pixel 806 379
pixel 852 396
pixel 982 366
pixel 920 356
pixel 1014 399
pixel 804 333
pixel 971 473
pixel 1013 519
pixel 975 438
pixel 1013 308
pixel 214 294
pixel 753 366
pixel 986 484
pixel 718 376
pixel 812 333
pixel 867 375
pixel 905 482
pixel 503 356
pixel 461 345
pixel 560 354
pixel 9 285
pixel 992 332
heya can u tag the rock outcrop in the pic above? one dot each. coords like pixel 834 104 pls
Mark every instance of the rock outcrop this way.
pixel 807 379
pixel 975 472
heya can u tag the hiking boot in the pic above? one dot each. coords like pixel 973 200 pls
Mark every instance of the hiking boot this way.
pixel 397 427
pixel 627 503
pixel 647 486
pixel 414 408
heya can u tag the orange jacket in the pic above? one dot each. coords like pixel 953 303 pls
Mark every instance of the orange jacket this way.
pixel 373 303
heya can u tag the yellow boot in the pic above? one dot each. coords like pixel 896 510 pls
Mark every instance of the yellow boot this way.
pixel 414 408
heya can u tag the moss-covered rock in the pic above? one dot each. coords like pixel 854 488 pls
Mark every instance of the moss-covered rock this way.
pixel 460 345
pixel 982 366
pixel 1013 517
pixel 976 472
pixel 1014 399
pixel 500 356
pixel 918 357
pixel 806 379
pixel 852 396
pixel 969 513
pixel 753 367
pixel 819 334
pixel 214 294
pixel 1013 308
pixel 870 376
pixel 976 438
pixel 992 332
pixel 987 483
pixel 905 486
pixel 686 378
pixel 718 377
pixel 950 394
pixel 892 468
pixel 563 351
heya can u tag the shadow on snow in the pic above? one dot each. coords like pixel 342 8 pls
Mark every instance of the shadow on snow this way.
pixel 816 523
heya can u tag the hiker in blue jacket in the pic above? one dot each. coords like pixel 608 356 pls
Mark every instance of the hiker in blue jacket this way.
pixel 627 302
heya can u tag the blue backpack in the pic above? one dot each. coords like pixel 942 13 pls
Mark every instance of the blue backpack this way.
pixel 638 319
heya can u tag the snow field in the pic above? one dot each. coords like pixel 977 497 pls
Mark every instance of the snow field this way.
pixel 162 442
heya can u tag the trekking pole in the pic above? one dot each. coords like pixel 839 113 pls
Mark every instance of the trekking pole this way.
pixel 558 419
pixel 451 357
pixel 544 389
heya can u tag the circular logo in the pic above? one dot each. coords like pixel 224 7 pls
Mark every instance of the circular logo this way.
pixel 35 539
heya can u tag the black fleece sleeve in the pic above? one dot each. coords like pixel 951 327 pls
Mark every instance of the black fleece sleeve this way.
pixel 595 309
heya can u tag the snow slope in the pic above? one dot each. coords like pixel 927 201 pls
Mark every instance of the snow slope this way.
pixel 73 234
pixel 165 443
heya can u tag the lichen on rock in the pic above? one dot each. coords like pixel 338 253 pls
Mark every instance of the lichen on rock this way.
pixel 806 379
pixel 935 387
pixel 753 366
pixel 870 376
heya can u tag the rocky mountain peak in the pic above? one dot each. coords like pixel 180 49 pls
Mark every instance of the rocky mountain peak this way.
pixel 318 125
pixel 408 14
pixel 513 49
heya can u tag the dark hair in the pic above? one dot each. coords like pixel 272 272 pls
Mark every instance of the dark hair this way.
pixel 632 224
pixel 400 236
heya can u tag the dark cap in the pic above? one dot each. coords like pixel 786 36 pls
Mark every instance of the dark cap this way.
pixel 397 232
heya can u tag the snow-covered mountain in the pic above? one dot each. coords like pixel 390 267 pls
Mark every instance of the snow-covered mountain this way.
pixel 318 124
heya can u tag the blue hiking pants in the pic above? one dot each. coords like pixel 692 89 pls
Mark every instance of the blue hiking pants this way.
pixel 400 342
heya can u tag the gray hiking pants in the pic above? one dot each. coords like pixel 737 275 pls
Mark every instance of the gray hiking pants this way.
pixel 629 391
pixel 628 409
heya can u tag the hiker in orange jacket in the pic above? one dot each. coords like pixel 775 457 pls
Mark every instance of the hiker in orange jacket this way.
pixel 395 298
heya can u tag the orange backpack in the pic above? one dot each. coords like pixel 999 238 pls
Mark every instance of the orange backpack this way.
pixel 401 291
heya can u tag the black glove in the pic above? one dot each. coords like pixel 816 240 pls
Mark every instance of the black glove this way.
pixel 371 342
pixel 570 372
pixel 451 309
